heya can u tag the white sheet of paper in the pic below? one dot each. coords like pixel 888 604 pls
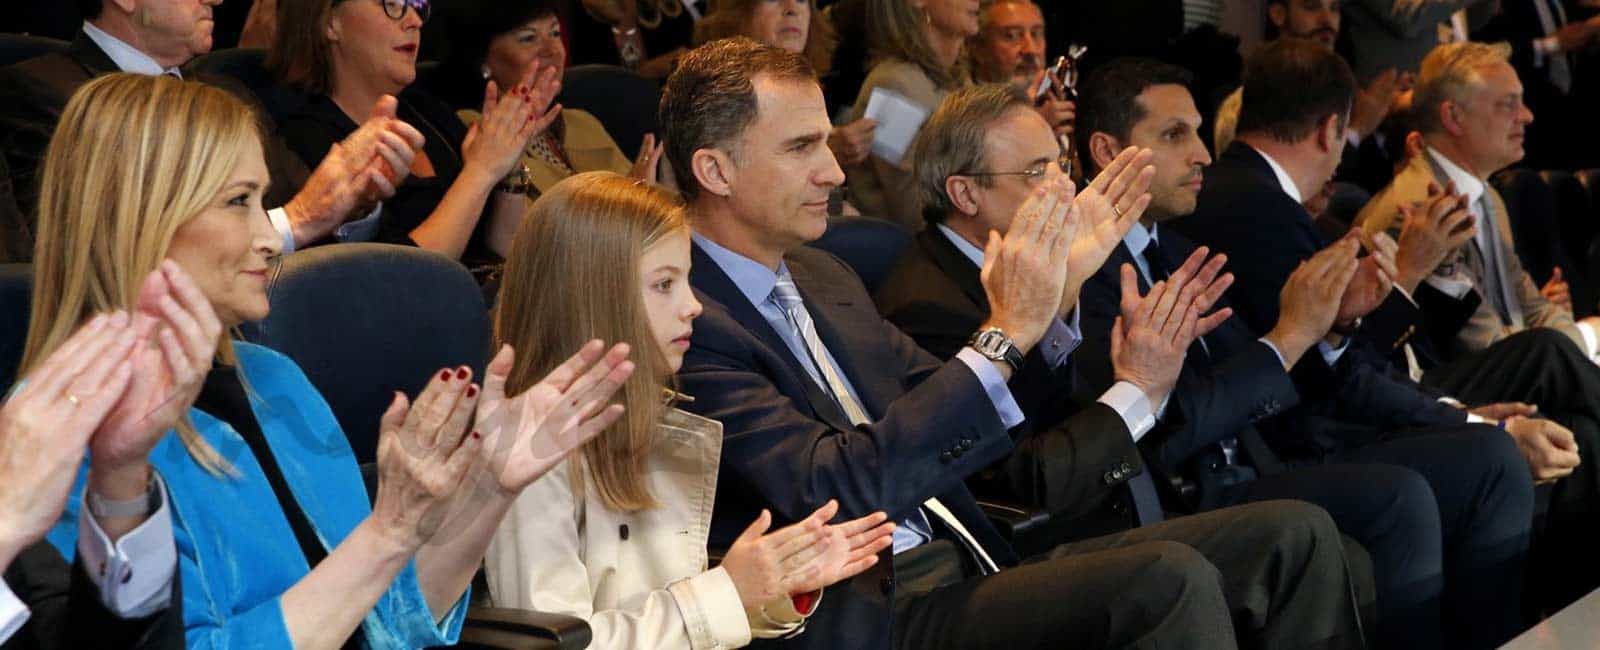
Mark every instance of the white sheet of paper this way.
pixel 898 119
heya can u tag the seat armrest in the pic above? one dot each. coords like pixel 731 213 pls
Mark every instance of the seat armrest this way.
pixel 1013 520
pixel 497 628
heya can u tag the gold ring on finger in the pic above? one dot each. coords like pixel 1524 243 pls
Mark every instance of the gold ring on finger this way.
pixel 1116 210
pixel 72 398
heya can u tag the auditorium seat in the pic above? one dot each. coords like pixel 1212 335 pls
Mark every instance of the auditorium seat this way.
pixel 624 102
pixel 246 64
pixel 16 48
pixel 869 246
pixel 365 320
pixel 16 296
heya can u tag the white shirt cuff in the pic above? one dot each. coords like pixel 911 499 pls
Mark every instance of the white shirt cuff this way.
pixel 135 573
pixel 1405 294
pixel 1589 340
pixel 280 223
pixel 1132 406
pixel 1450 286
pixel 1544 47
pixel 1275 351
pixel 13 614
pixel 1472 418
pixel 994 386
pixel 1330 354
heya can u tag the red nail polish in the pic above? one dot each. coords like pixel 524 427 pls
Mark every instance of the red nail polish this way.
pixel 472 391
pixel 461 373
pixel 444 375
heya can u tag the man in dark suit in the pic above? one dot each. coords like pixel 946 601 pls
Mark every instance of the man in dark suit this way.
pixel 821 399
pixel 1296 100
pixel 1072 461
pixel 308 206
pixel 1425 476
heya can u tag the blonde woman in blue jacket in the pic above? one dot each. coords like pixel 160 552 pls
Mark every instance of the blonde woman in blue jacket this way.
pixel 277 546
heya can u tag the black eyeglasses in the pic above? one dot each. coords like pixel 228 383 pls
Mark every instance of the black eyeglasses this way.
pixel 396 9
pixel 1031 174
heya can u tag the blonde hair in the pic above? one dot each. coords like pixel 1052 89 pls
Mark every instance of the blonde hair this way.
pixel 133 158
pixel 573 276
pixel 896 31
pixel 1450 73
pixel 729 18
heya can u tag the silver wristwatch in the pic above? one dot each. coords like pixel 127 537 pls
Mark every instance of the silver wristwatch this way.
pixel 136 507
pixel 993 344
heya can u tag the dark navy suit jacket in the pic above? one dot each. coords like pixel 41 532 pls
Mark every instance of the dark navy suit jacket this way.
pixel 789 448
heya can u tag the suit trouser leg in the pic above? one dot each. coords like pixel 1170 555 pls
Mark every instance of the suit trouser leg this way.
pixel 1485 500
pixel 1147 595
pixel 1542 366
pixel 1391 511
pixel 1283 570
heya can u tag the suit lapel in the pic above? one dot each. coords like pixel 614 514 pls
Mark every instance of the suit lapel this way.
pixel 710 280
pixel 955 265
pixel 93 59
pixel 832 314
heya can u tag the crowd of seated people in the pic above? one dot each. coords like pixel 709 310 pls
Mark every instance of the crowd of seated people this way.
pixel 1271 370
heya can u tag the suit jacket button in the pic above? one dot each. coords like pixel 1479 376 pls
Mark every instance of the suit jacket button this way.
pixel 1109 478
pixel 946 457
pixel 957 452
pixel 966 443
pixel 1126 468
pixel 622 531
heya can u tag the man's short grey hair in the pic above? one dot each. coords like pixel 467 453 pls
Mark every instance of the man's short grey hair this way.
pixel 1452 73
pixel 951 142
pixel 983 13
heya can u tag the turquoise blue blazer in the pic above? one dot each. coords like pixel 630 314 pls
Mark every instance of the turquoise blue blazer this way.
pixel 236 552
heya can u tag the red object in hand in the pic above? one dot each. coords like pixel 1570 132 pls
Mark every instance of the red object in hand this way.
pixel 804 602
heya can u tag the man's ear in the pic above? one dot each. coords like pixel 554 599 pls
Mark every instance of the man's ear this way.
pixel 714 170
pixel 1103 148
pixel 1329 135
pixel 1450 118
pixel 963 194
pixel 333 30
pixel 1278 14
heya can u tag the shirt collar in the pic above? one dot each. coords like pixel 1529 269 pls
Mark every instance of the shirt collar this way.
pixel 1465 182
pixel 127 57
pixel 972 252
pixel 1138 238
pixel 753 278
pixel 1284 180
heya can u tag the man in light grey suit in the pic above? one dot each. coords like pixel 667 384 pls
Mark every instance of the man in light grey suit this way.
pixel 1497 336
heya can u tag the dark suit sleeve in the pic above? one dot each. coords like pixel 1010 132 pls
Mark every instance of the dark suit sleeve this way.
pixel 66 612
pixel 1063 452
pixel 1446 315
pixel 1209 402
pixel 798 461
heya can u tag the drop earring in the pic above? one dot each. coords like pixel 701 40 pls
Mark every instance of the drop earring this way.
pixel 485 72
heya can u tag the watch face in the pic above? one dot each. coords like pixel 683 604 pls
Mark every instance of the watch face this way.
pixel 992 343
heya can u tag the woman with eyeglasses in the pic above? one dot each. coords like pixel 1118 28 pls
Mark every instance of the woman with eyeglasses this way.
pixel 335 59
pixel 500 40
